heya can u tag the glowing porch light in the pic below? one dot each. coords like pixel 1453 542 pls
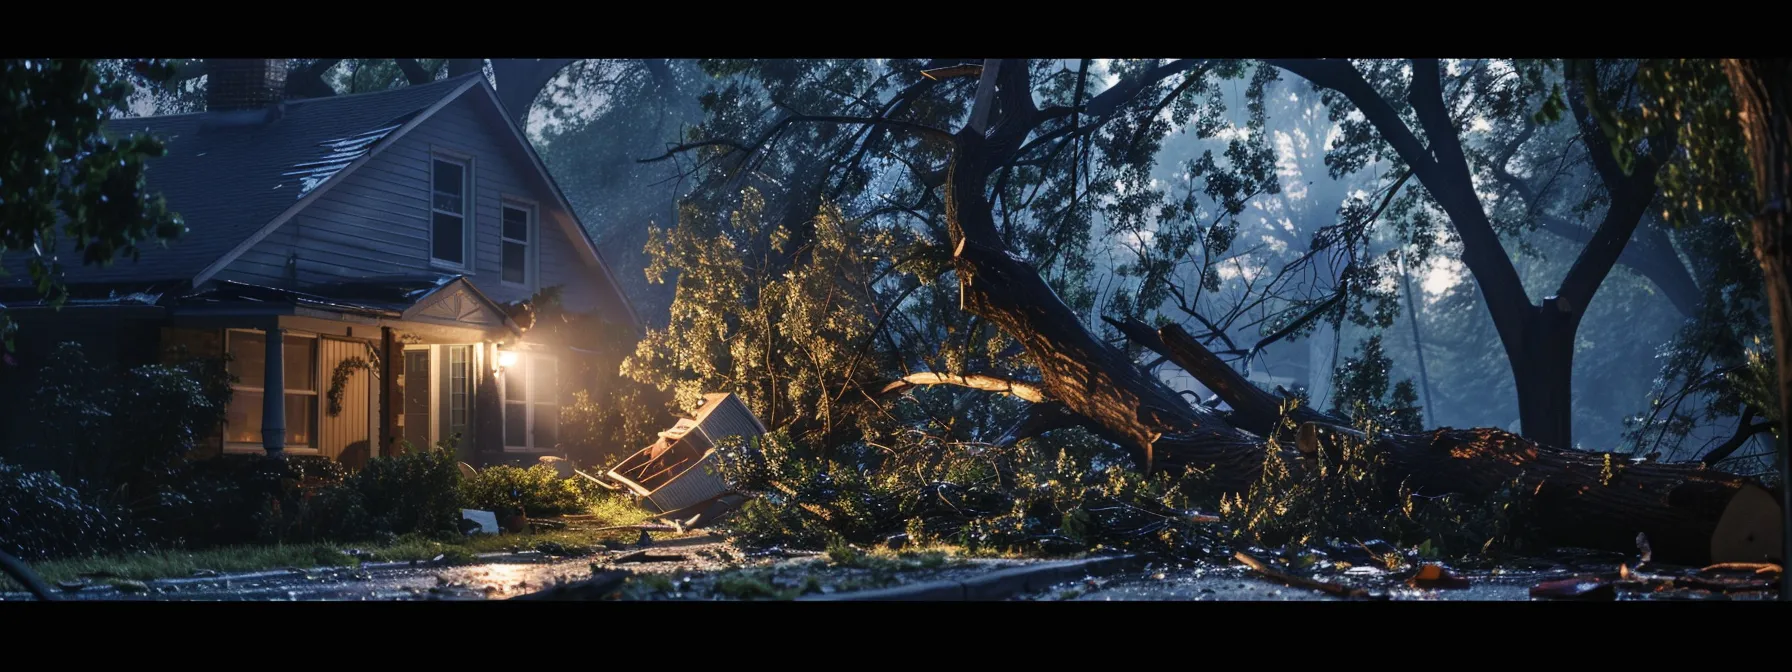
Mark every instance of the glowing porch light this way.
pixel 506 359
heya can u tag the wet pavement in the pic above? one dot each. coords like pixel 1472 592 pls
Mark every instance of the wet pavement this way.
pixel 703 558
pixel 1237 583
pixel 1234 583
pixel 496 577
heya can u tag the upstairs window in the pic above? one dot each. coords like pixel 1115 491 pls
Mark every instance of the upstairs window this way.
pixel 449 211
pixel 519 227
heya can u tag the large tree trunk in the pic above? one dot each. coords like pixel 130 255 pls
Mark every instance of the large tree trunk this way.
pixel 1543 371
pixel 1596 500
pixel 1579 498
pixel 1763 89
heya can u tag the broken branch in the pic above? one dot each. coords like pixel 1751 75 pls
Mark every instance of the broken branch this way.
pixel 976 381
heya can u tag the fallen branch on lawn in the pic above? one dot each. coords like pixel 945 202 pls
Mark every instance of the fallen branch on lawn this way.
pixel 1299 581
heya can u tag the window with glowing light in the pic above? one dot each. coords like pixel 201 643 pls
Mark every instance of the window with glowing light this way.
pixel 531 400
pixel 248 361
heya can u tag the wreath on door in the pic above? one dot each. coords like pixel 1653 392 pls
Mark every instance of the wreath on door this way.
pixel 339 380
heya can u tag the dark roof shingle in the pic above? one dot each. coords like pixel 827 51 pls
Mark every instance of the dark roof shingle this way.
pixel 227 182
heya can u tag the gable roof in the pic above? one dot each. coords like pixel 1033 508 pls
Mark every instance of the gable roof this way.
pixel 234 184
pixel 230 181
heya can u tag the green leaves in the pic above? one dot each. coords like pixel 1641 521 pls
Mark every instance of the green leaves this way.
pixel 62 178
pixel 1552 108
pixel 1361 391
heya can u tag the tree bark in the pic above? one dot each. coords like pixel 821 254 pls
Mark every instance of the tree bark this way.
pixel 1763 90
pixel 1596 500
pixel 1580 498
pixel 1543 372
pixel 1540 351
pixel 1593 500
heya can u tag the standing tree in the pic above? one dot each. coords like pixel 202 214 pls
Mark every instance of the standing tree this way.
pixel 1426 133
pixel 63 179
pixel 1763 89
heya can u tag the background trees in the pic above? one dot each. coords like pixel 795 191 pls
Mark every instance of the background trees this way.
pixel 62 177
pixel 1264 209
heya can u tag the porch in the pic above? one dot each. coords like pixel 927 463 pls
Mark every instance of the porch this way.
pixel 375 367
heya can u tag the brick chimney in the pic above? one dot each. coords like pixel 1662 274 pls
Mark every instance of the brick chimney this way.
pixel 238 84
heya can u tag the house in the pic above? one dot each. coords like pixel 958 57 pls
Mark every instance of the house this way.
pixel 370 249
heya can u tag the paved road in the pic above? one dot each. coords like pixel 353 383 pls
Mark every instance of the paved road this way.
pixel 494 578
pixel 1236 583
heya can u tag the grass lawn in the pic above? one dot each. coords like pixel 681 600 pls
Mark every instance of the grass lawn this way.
pixel 173 563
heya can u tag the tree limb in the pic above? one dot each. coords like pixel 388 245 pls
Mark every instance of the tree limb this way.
pixel 1020 389
pixel 1630 196
pixel 1482 251
pixel 1650 252
pixel 413 71
pixel 1744 432
pixel 778 127
pixel 1039 419
pixel 308 82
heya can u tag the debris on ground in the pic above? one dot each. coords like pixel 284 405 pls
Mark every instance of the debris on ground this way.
pixel 479 522
pixel 645 556
pixel 1433 576
pixel 679 471
pixel 1588 588
pixel 1299 581
pixel 600 586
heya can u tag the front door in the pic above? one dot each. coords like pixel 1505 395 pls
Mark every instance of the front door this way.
pixel 413 385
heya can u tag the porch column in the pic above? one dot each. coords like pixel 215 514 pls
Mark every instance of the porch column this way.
pixel 273 395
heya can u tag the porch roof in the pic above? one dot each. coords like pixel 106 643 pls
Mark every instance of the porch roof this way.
pixel 447 300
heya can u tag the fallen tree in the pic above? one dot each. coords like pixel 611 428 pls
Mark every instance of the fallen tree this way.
pixel 1582 499
pixel 1689 513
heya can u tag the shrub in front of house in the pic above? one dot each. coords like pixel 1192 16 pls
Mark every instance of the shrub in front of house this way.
pixel 415 491
pixel 238 499
pixel 121 432
pixel 537 490
pixel 43 518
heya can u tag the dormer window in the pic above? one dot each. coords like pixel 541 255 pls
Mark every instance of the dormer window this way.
pixel 450 230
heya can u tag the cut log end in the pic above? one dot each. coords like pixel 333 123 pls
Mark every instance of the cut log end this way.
pixel 1750 529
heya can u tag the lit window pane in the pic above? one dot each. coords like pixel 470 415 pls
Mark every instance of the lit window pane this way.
pixel 242 420
pixel 301 412
pixel 515 376
pixel 447 231
pixel 459 366
pixel 542 387
pixel 516 425
pixel 300 360
pixel 547 425
pixel 248 357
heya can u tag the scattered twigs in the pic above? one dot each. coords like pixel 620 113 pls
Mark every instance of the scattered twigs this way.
pixel 646 556
pixel 1299 581
pixel 1756 567
pixel 598 587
